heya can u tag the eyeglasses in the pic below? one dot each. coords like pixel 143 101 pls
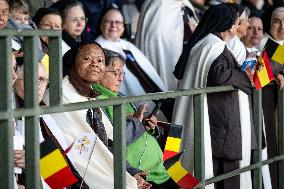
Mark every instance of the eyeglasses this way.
pixel 41 80
pixel 77 19
pixel 50 26
pixel 117 73
pixel 4 13
pixel 116 22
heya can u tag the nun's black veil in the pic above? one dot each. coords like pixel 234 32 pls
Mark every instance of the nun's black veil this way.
pixel 218 18
pixel 266 17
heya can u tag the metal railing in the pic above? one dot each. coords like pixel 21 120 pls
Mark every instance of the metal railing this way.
pixel 31 112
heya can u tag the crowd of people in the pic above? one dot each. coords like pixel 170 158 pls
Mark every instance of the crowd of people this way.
pixel 177 46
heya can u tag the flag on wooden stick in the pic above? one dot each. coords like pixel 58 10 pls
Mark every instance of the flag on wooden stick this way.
pixel 263 72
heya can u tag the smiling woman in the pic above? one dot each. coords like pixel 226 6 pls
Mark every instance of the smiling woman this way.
pixel 84 65
pixel 140 76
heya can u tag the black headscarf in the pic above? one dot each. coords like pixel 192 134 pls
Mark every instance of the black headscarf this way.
pixel 266 16
pixel 43 12
pixel 218 18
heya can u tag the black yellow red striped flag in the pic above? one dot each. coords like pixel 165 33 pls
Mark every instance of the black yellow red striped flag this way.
pixel 173 142
pixel 53 167
pixel 263 72
pixel 274 51
pixel 179 174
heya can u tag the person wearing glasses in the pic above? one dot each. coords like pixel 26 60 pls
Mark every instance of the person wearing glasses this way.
pixel 48 19
pixel 140 76
pixel 4 13
pixel 143 152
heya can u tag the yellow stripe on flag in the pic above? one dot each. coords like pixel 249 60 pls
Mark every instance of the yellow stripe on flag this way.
pixel 177 171
pixel 263 76
pixel 278 55
pixel 51 164
pixel 173 144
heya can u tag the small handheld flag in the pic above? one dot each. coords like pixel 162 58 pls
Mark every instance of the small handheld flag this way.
pixel 53 167
pixel 263 72
pixel 274 51
pixel 179 174
pixel 173 141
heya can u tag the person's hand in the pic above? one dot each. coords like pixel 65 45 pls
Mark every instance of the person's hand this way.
pixel 150 123
pixel 280 80
pixel 141 183
pixel 250 73
pixel 19 158
pixel 139 114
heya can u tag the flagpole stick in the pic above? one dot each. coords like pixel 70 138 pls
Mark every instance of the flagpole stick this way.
pixel 88 165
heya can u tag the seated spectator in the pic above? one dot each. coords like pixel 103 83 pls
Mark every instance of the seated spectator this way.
pixel 19 154
pixel 140 75
pixel 74 22
pixel 47 18
pixel 20 15
pixel 19 11
pixel 19 126
pixel 20 20
pixel 86 61
pixel 144 148
pixel 4 13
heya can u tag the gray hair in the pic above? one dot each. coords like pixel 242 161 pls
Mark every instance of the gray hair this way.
pixel 110 56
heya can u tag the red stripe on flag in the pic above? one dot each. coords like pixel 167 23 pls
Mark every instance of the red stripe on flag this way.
pixel 168 154
pixel 188 181
pixel 267 65
pixel 256 81
pixel 61 179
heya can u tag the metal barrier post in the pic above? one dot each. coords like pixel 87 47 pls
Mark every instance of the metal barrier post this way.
pixel 55 71
pixel 257 122
pixel 6 126
pixel 199 160
pixel 31 122
pixel 119 146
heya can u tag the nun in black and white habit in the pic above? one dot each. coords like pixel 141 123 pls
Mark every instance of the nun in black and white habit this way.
pixel 164 26
pixel 209 62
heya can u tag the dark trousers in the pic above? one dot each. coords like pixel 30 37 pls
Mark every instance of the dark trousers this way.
pixel 269 103
pixel 221 166
pixel 169 184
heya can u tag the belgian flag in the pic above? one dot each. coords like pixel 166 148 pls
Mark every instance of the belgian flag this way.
pixel 53 167
pixel 274 51
pixel 172 146
pixel 179 174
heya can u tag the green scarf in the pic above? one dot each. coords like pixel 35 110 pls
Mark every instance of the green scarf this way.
pixel 106 94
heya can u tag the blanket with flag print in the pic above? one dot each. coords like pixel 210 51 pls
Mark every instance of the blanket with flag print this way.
pixel 173 142
pixel 179 174
pixel 53 167
pixel 274 51
pixel 263 72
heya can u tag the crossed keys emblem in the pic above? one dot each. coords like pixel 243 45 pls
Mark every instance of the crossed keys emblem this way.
pixel 83 143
